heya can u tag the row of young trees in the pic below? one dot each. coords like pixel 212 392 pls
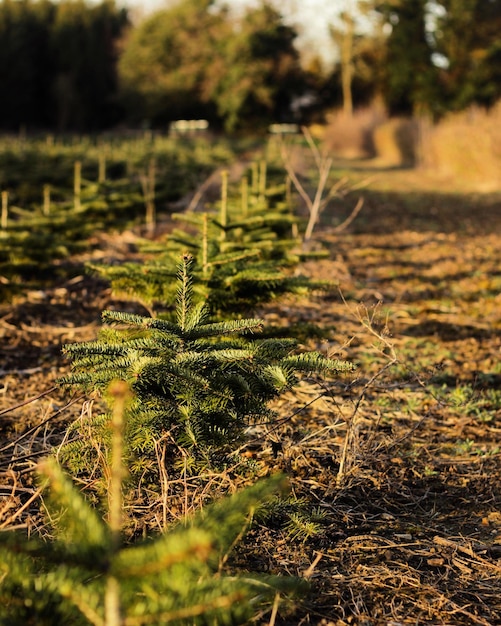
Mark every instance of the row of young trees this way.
pixel 70 65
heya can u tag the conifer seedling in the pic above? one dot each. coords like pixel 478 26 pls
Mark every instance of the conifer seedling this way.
pixel 232 276
pixel 86 574
pixel 243 255
pixel 197 384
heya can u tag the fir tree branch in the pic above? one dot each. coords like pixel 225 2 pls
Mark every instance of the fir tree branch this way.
pixel 227 328
pixel 78 524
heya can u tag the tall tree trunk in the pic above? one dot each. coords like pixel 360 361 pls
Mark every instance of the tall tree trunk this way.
pixel 347 63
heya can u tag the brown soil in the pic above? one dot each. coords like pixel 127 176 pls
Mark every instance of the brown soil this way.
pixel 397 467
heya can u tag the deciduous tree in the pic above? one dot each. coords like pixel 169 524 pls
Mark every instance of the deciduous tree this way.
pixel 196 58
pixel 165 58
pixel 468 39
pixel 410 82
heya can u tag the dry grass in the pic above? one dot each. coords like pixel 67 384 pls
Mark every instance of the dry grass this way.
pixel 462 150
pixel 396 142
pixel 351 137
pixel 466 145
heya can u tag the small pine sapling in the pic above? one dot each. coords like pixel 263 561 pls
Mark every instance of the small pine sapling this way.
pixel 244 257
pixel 87 574
pixel 198 385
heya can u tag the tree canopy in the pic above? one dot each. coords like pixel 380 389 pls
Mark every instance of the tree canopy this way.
pixel 468 36
pixel 410 76
pixel 196 58
pixel 76 65
pixel 441 55
pixel 58 64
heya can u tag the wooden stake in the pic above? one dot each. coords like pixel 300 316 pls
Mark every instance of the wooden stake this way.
pixel 102 168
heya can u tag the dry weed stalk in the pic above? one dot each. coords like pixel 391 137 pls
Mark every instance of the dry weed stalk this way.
pixel 5 210
pixel 369 320
pixel 161 453
pixel 317 202
pixel 12 501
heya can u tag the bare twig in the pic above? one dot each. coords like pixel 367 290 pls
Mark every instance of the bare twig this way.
pixel 17 512
pixel 37 426
pixel 367 320
pixel 317 202
pixel 356 210
pixel 25 402
pixel 210 180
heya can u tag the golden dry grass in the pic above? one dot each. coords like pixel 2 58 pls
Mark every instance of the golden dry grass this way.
pixel 462 149
pixel 467 146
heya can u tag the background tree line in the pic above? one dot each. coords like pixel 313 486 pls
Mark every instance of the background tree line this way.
pixel 71 65
pixel 58 64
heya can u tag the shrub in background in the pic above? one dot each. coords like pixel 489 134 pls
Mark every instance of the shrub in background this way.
pixel 351 136
pixel 396 142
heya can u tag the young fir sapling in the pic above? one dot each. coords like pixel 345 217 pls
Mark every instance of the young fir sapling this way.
pixel 244 256
pixel 87 574
pixel 198 385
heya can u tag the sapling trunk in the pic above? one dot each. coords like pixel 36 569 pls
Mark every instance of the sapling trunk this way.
pixel 223 214
pixel 152 174
pixel 102 168
pixel 77 184
pixel 245 196
pixel 129 167
pixel 255 178
pixel 148 184
pixel 5 210
pixel 205 244
pixel 288 201
pixel 184 291
pixel 46 199
pixel 262 179
pixel 120 391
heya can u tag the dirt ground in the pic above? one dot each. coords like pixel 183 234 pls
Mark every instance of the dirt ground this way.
pixel 396 468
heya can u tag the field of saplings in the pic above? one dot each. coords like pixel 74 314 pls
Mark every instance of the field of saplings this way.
pixel 245 383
